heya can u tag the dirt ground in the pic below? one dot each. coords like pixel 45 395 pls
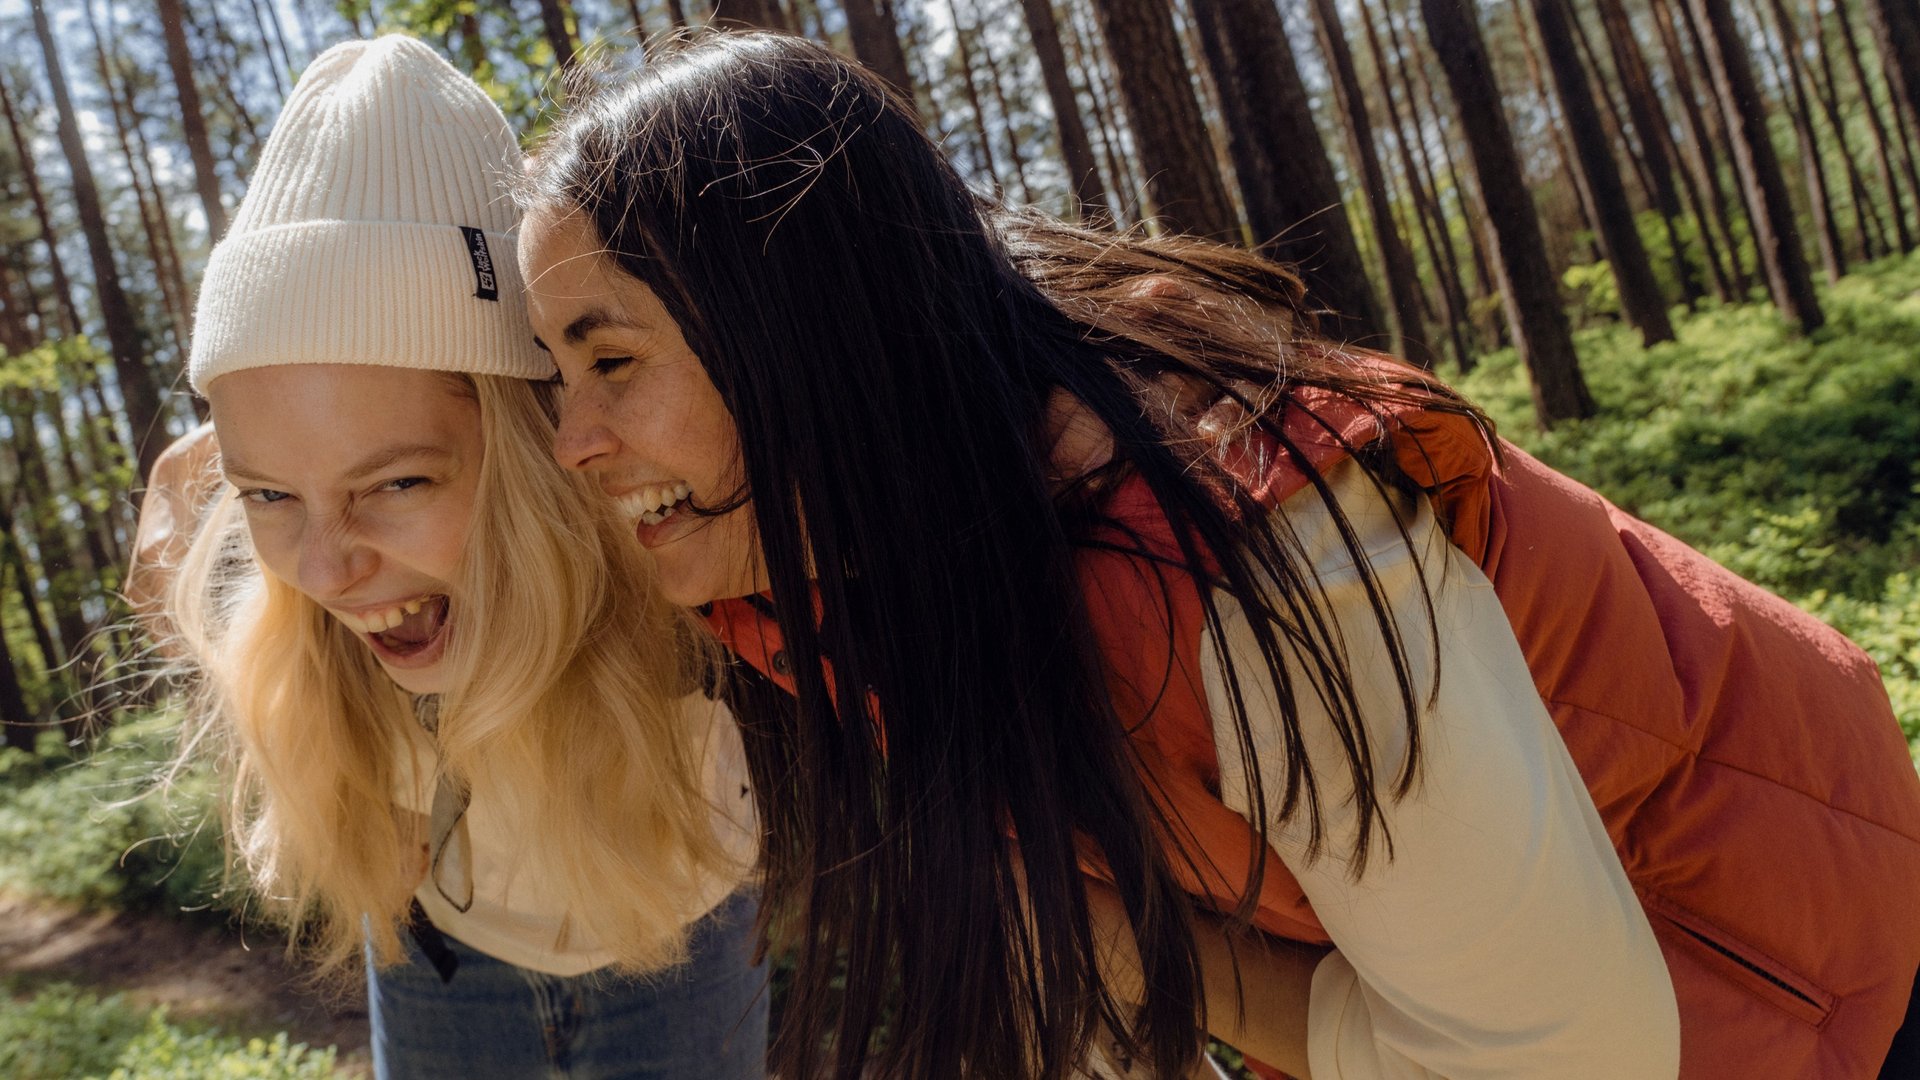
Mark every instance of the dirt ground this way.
pixel 202 970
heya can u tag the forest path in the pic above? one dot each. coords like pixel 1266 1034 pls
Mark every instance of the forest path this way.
pixel 200 969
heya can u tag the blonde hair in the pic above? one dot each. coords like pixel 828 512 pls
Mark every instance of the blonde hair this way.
pixel 567 665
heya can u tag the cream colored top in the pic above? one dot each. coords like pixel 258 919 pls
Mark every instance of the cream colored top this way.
pixel 518 918
pixel 1502 939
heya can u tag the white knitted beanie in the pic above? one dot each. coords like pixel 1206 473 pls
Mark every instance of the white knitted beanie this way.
pixel 377 228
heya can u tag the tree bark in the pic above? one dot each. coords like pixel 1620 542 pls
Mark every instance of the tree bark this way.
pixel 875 35
pixel 1870 233
pixel 1403 289
pixel 23 152
pixel 1556 126
pixel 1527 287
pixel 1896 28
pixel 1128 202
pixel 983 137
pixel 1786 73
pixel 553 20
pixel 1433 224
pixel 1169 135
pixel 1774 235
pixel 1293 203
pixel 1076 150
pixel 192 122
pixel 1710 205
pixel 1619 235
pixel 1844 23
pixel 1014 155
pixel 137 391
pixel 1656 138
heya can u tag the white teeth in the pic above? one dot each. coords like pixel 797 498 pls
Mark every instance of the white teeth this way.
pixel 652 504
pixel 379 622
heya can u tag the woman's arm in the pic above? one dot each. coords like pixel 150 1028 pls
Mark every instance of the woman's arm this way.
pixel 1501 937
pixel 1262 1012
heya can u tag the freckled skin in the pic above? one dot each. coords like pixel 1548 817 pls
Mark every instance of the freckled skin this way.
pixel 638 407
pixel 295 439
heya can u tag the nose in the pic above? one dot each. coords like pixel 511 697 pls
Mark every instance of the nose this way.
pixel 334 560
pixel 581 440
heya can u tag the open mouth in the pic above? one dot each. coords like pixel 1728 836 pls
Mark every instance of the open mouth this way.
pixel 655 503
pixel 404 630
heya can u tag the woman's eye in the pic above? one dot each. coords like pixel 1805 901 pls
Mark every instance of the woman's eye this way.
pixel 263 496
pixel 612 367
pixel 405 483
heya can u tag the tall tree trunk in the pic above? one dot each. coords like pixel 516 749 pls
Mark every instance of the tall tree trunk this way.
pixel 1601 87
pixel 1869 232
pixel 1896 29
pixel 137 391
pixel 1826 231
pixel 677 14
pixel 763 14
pixel 1710 205
pixel 982 131
pixel 1076 150
pixel 152 217
pixel 1556 126
pixel 23 152
pixel 553 19
pixel 1403 289
pixel 173 24
pixel 1844 23
pixel 266 49
pixel 1433 224
pixel 15 718
pixel 1128 202
pixel 1293 203
pixel 1015 156
pixel 1169 136
pixel 1407 57
pixel 1656 138
pixel 1527 287
pixel 875 36
pixel 1640 296
pixel 1774 235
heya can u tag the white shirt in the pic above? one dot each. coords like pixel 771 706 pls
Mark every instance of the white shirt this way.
pixel 522 920
pixel 1502 939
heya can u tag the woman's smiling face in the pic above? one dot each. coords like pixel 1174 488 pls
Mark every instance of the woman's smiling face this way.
pixel 638 411
pixel 359 486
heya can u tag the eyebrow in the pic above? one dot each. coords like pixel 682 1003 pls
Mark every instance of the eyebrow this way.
pixel 372 463
pixel 597 319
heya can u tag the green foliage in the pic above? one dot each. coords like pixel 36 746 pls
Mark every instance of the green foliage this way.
pixel 91 832
pixel 1791 460
pixel 60 1032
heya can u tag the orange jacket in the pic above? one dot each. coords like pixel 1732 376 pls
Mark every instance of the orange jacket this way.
pixel 1742 755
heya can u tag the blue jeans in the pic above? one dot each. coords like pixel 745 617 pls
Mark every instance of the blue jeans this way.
pixel 705 1020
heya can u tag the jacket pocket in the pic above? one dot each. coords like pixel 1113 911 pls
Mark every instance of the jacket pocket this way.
pixel 1743 965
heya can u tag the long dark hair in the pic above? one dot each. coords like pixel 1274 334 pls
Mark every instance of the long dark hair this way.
pixel 888 345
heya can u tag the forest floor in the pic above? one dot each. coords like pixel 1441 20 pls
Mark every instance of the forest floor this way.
pixel 199 970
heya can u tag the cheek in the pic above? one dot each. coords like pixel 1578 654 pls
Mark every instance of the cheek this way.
pixel 276 546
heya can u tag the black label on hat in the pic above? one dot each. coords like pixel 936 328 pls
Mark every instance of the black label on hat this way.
pixel 484 287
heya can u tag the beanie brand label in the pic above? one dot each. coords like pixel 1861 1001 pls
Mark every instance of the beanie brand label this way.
pixel 484 286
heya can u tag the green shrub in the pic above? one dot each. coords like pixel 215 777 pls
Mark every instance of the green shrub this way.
pixel 91 831
pixel 1794 461
pixel 60 1032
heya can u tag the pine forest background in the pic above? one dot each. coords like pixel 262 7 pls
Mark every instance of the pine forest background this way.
pixel 1669 244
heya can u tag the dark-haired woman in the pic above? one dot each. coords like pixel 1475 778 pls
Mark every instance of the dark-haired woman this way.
pixel 1085 595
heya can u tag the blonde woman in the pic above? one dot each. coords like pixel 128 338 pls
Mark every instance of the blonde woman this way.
pixel 460 729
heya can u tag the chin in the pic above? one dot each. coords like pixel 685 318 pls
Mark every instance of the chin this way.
pixel 431 680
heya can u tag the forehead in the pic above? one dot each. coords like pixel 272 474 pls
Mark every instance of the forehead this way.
pixel 562 258
pixel 311 415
